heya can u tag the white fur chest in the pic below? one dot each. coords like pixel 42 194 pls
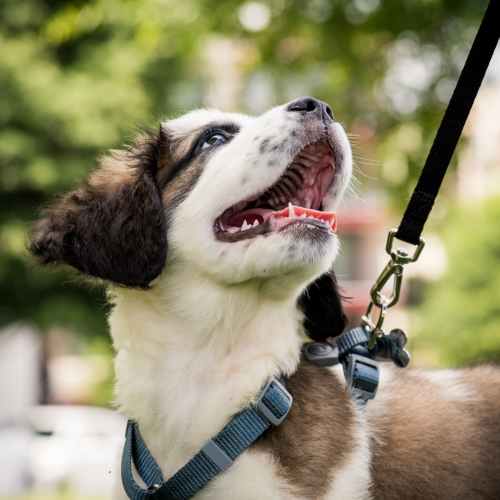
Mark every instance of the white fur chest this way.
pixel 182 383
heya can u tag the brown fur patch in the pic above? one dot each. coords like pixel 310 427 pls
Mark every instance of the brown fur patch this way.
pixel 181 145
pixel 427 447
pixel 173 153
pixel 181 185
pixel 317 436
pixel 113 227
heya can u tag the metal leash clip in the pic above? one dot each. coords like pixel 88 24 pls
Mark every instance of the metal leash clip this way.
pixel 358 349
pixel 393 270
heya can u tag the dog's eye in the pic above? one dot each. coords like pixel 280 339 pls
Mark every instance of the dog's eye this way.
pixel 215 139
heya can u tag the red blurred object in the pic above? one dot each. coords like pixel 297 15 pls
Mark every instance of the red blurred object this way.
pixel 361 228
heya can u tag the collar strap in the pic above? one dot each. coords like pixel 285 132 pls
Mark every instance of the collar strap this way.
pixel 271 408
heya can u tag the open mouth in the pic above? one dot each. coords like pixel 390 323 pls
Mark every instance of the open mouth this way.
pixel 295 199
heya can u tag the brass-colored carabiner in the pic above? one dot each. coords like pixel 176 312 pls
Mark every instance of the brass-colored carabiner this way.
pixel 369 321
pixel 393 271
pixel 374 326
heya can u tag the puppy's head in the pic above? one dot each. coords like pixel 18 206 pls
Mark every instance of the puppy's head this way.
pixel 238 198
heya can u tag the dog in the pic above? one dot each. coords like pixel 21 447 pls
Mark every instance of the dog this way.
pixel 215 235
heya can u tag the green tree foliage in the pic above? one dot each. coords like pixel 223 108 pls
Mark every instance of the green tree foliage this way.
pixel 76 77
pixel 460 317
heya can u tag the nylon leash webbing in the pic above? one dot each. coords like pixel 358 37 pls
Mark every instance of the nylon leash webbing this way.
pixel 452 124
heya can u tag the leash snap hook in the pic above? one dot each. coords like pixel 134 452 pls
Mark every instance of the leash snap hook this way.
pixel 373 327
pixel 368 321
pixel 394 271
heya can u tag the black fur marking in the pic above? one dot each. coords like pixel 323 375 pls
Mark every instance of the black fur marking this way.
pixel 113 227
pixel 166 175
pixel 322 306
pixel 263 145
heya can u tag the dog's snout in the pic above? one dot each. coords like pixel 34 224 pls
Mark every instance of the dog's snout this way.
pixel 311 105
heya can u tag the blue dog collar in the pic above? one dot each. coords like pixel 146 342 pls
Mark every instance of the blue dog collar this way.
pixel 217 455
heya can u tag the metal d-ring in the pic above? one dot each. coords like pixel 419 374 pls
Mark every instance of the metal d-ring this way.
pixel 399 255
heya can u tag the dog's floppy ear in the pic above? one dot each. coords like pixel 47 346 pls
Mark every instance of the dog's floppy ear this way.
pixel 113 227
pixel 321 303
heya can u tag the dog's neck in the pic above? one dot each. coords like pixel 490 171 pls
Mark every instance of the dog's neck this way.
pixel 189 356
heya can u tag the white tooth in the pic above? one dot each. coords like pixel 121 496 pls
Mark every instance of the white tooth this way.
pixel 245 225
pixel 291 210
pixel 255 223
pixel 232 229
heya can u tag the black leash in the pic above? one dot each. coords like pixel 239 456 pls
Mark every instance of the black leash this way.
pixel 451 127
pixel 358 348
pixel 438 160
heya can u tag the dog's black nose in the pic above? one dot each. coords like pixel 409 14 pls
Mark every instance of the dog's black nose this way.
pixel 309 105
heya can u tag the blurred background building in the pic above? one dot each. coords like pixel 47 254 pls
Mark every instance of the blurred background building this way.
pixel 79 77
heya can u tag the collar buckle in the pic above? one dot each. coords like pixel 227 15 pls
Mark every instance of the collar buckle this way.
pixel 274 402
pixel 362 376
